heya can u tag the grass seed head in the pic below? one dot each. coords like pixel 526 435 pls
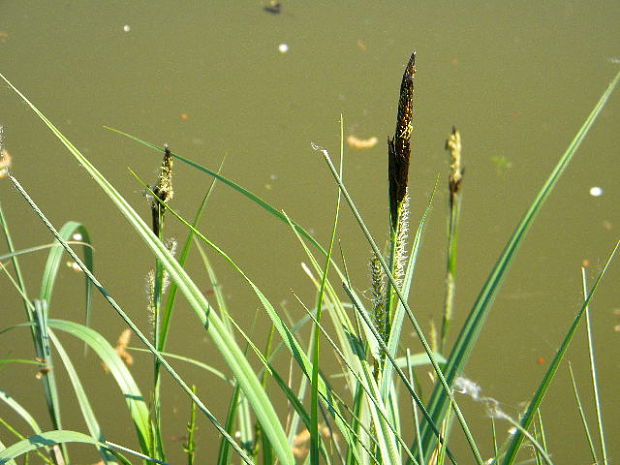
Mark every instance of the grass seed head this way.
pixel 453 145
pixel 399 147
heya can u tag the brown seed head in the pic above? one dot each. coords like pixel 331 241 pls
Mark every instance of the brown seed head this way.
pixel 399 147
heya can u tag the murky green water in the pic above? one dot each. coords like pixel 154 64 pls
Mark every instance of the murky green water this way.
pixel 210 80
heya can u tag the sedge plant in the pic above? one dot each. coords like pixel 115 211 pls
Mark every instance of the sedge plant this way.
pixel 324 423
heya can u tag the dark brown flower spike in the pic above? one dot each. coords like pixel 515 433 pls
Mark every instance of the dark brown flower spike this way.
pixel 399 147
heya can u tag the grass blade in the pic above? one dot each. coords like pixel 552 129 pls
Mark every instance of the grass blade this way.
pixel 101 347
pixel 21 285
pixel 288 337
pixel 473 325
pixel 597 398
pixel 87 411
pixel 167 316
pixel 56 437
pixel 50 272
pixel 47 439
pixel 242 190
pixel 228 349
pixel 582 415
pixel 44 354
pixel 315 438
pixel 20 410
pixel 443 385
pixel 130 323
pixel 528 418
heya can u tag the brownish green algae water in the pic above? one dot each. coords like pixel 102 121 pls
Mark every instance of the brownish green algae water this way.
pixel 212 80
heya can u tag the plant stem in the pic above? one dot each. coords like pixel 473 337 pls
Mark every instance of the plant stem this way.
pixel 453 145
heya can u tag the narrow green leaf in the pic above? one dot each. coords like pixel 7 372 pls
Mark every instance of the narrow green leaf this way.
pixel 87 411
pixel 528 417
pixel 47 439
pixel 21 285
pixel 44 354
pixel 582 415
pixel 593 375
pixel 231 353
pixel 56 437
pixel 69 230
pixel 418 329
pixel 287 336
pixel 20 410
pixel 472 327
pixel 243 191
pixel 130 323
pixel 135 401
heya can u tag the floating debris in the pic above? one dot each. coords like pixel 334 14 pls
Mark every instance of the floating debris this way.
pixel 274 7
pixel 5 157
pixel 302 440
pixel 184 116
pixel 42 372
pixel 74 266
pixel 5 163
pixel 362 45
pixel 502 164
pixel 596 191
pixel 126 28
pixel 121 349
pixel 283 48
pixel 300 444
pixel 361 144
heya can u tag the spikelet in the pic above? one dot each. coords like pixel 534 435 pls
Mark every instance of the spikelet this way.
pixel 5 156
pixel 453 145
pixel 377 277
pixel 150 295
pixel 399 147
pixel 163 190
pixel 400 257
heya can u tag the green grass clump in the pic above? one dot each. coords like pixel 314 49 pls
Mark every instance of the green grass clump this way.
pixel 361 424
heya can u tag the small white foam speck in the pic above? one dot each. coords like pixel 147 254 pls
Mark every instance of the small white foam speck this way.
pixel 126 28
pixel 596 191
pixel 283 48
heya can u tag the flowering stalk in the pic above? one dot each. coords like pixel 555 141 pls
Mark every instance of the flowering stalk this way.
pixel 164 192
pixel 399 154
pixel 455 179
pixel 399 147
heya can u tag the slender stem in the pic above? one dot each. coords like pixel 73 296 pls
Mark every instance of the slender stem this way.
pixel 140 335
pixel 403 300
pixel 455 179
pixel 597 399
pixel 582 414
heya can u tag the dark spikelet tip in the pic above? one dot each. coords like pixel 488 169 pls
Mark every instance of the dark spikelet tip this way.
pixel 167 154
pixel 399 148
pixel 405 102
